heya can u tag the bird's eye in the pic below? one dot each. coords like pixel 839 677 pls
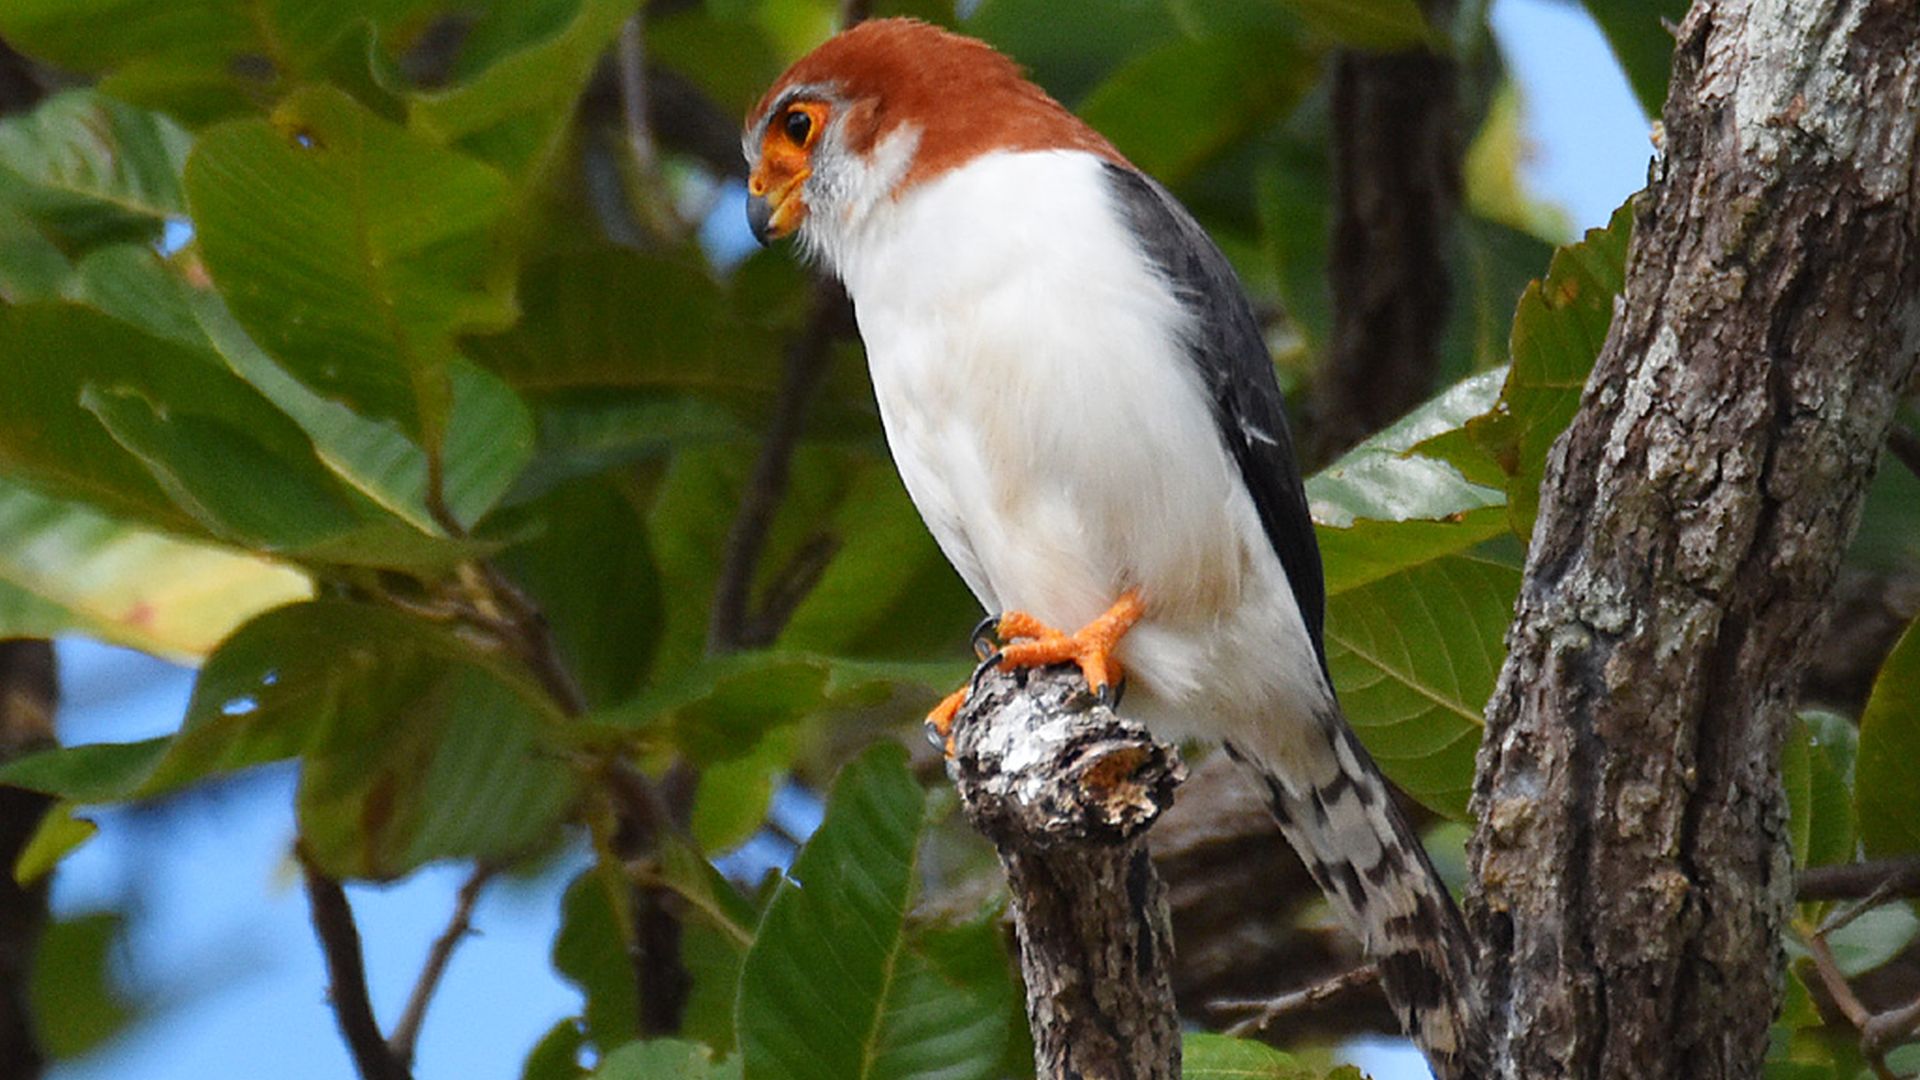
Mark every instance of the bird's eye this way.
pixel 798 126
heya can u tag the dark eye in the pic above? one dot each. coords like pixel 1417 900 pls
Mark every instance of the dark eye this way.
pixel 798 126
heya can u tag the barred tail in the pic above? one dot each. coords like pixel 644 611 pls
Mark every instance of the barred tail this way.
pixel 1333 806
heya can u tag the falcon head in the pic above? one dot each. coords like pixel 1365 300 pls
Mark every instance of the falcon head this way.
pixel 877 111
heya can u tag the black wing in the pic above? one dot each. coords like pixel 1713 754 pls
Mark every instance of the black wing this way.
pixel 1232 356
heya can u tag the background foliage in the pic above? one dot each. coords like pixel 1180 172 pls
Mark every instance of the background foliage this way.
pixel 372 356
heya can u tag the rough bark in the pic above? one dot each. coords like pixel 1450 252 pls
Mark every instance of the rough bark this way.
pixel 1396 166
pixel 27 694
pixel 1632 863
pixel 1065 789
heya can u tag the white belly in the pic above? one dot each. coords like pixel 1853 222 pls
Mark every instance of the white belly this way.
pixel 1060 444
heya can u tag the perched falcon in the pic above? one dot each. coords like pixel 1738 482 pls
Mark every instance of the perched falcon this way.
pixel 1081 405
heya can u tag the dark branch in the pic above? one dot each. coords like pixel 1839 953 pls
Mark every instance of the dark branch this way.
pixel 347 976
pixel 1266 1012
pixel 1882 878
pixel 734 625
pixel 1066 789
pixel 406 1034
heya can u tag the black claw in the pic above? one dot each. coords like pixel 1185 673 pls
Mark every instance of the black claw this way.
pixel 987 663
pixel 986 633
pixel 1110 694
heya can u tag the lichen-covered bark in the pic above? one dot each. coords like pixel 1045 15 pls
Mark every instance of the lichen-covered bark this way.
pixel 1065 790
pixel 1632 862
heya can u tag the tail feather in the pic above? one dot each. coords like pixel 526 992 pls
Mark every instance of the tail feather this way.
pixel 1334 807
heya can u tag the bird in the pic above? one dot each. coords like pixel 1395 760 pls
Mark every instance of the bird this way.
pixel 1082 407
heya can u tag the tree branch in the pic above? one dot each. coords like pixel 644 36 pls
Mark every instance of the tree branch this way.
pixel 406 1033
pixel 1065 790
pixel 1632 861
pixel 347 976
pixel 1266 1012
pixel 1879 878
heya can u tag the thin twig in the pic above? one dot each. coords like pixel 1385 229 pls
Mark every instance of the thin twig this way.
pixel 633 90
pixel 347 976
pixel 1274 1008
pixel 1844 999
pixel 732 625
pixel 1876 877
pixel 406 1033
pixel 1884 1031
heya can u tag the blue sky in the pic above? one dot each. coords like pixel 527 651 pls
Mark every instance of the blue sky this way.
pixel 219 946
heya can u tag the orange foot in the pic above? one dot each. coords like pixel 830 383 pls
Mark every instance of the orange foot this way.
pixel 1033 643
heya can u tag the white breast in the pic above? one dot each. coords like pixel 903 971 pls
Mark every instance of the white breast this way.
pixel 1051 429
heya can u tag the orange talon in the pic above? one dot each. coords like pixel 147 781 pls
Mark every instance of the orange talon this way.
pixel 941 718
pixel 1090 647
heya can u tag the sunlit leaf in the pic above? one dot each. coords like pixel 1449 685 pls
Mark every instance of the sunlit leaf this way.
pixel 69 569
pixel 1205 1056
pixel 59 833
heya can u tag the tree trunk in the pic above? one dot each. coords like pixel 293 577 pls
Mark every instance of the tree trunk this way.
pixel 28 690
pixel 1065 790
pixel 1632 863
pixel 1396 171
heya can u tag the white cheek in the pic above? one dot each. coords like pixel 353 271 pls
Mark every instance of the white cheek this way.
pixel 848 191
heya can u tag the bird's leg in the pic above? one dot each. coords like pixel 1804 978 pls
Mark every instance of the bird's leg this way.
pixel 1035 644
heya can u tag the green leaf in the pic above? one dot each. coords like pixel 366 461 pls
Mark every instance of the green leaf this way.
pixel 887 592
pixel 1180 105
pixel 489 440
pixel 1558 330
pixel 512 113
pixel 34 269
pixel 1069 48
pixel 590 952
pixel 1638 32
pixel 610 318
pixel 56 837
pixel 65 569
pixel 1415 656
pixel 88 772
pixel 589 569
pixel 416 746
pixel 1381 25
pixel 352 251
pixel 719 709
pixel 557 1055
pixel 1818 765
pixel 1218 1057
pixel 197 58
pixel 73 1002
pixel 92 168
pixel 1873 938
pixel 1385 505
pixel 665 1059
pixel 834 987
pixel 1887 792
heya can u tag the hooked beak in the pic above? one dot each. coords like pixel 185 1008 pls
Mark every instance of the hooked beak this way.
pixel 773 212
